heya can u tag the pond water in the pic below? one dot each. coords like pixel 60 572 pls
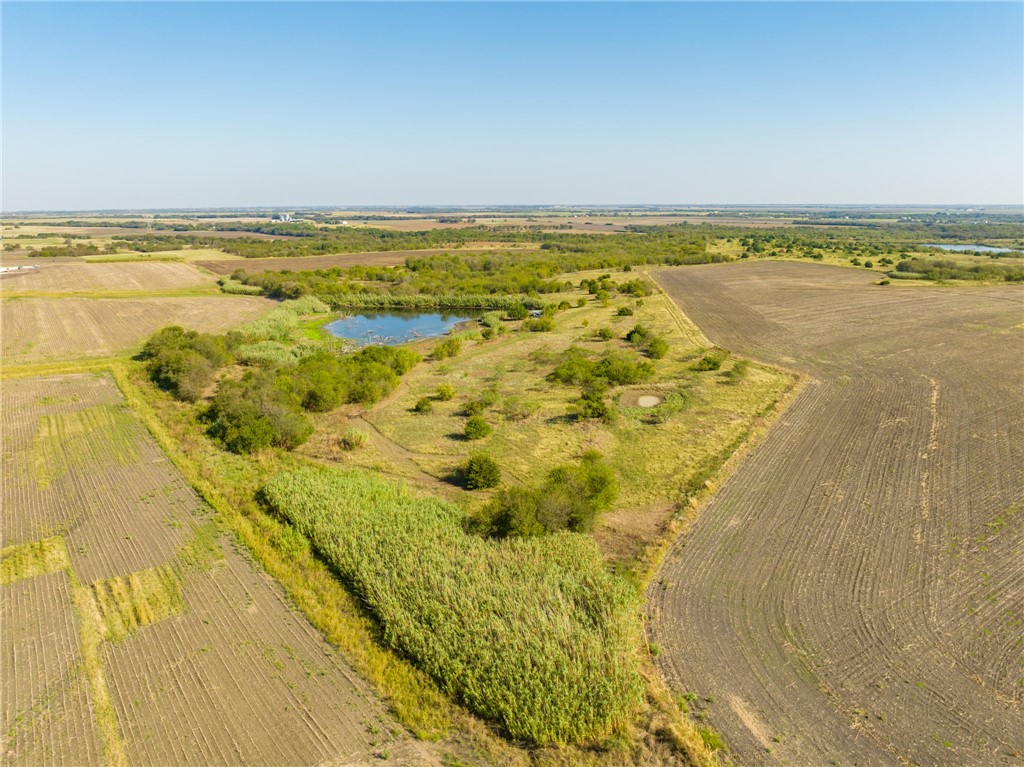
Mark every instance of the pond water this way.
pixel 393 328
pixel 982 248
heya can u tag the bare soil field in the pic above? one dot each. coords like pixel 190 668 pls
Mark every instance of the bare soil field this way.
pixel 854 593
pixel 76 277
pixel 37 329
pixel 149 640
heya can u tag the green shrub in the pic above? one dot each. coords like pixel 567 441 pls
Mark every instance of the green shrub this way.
pixel 395 357
pixel 256 412
pixel 445 392
pixel 712 360
pixel 592 403
pixel 423 405
pixel 183 361
pixel 352 439
pixel 476 428
pixel 539 325
pixel 533 634
pixel 571 498
pixel 615 368
pixel 450 347
pixel 517 312
pixel 515 409
pixel 738 372
pixel 605 334
pixel 624 311
pixel 656 348
pixel 480 472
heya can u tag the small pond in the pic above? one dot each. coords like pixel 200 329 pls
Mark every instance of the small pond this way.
pixel 980 248
pixel 392 328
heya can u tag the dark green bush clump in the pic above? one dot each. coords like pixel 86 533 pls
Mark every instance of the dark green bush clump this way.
pixel 712 360
pixel 605 334
pixel 533 633
pixel 517 312
pixel 257 412
pixel 614 368
pixel 182 361
pixel 480 472
pixel 653 345
pixel 592 403
pixel 571 498
pixel 323 381
pixel 624 311
pixel 476 428
pixel 423 405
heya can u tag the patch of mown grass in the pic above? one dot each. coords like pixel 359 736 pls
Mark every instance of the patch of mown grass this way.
pixel 64 441
pixel 90 638
pixel 34 558
pixel 127 603
pixel 532 633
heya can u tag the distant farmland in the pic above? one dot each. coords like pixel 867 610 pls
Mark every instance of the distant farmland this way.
pixel 131 633
pixel 856 591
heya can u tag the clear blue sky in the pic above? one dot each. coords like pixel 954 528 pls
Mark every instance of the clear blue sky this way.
pixel 238 104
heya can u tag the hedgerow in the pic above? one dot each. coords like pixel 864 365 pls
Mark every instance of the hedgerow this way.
pixel 532 633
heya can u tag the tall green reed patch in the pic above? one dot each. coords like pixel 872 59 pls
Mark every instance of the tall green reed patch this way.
pixel 532 633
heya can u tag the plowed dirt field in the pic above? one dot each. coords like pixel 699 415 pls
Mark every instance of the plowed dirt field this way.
pixel 854 594
pixel 131 631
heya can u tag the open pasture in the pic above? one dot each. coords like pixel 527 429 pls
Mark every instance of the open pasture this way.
pixel 132 633
pixel 36 329
pixel 855 591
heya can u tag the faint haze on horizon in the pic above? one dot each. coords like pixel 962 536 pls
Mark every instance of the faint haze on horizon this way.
pixel 201 105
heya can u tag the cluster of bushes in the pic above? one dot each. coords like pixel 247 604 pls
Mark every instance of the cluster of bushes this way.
pixel 653 345
pixel 612 368
pixel 712 360
pixel 571 498
pixel 183 361
pixel 533 633
pixel 266 406
pixel 940 269
pixel 323 381
pixel 256 412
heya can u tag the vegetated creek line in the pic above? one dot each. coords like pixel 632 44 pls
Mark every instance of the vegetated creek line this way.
pixel 832 597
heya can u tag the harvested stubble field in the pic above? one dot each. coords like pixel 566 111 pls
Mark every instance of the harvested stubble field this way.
pixel 132 633
pixel 81 277
pixel 855 591
pixel 36 329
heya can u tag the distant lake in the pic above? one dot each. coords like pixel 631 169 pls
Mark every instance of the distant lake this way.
pixel 981 248
pixel 393 328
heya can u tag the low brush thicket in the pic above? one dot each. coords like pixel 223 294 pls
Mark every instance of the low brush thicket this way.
pixel 532 633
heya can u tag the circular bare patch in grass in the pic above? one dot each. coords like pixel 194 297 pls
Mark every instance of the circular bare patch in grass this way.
pixel 645 398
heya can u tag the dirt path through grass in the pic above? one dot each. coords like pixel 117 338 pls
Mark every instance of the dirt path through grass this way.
pixel 854 594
